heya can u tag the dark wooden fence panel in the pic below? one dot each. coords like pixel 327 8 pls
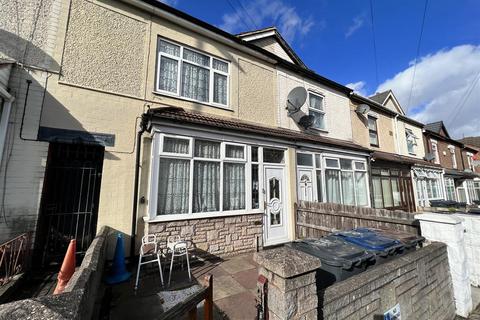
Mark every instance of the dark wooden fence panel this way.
pixel 315 219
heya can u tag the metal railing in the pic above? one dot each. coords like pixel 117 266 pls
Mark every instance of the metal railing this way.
pixel 14 257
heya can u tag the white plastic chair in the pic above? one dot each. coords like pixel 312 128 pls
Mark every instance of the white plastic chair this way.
pixel 177 248
pixel 149 249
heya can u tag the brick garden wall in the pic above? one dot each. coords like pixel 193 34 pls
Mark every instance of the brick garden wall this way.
pixel 419 282
pixel 221 236
pixel 316 219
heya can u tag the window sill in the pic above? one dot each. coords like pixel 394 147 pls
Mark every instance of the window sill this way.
pixel 213 105
pixel 319 130
pixel 182 217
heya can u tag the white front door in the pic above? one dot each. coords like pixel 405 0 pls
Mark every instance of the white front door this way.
pixel 305 187
pixel 275 224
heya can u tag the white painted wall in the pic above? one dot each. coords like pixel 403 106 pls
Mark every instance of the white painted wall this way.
pixel 472 246
pixel 450 230
pixel 337 105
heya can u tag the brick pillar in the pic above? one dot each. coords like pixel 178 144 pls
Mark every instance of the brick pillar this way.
pixel 450 230
pixel 292 287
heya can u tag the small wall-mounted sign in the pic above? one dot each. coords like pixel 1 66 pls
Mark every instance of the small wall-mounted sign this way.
pixel 393 314
pixel 476 162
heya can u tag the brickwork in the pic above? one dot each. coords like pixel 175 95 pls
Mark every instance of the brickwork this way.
pixel 220 236
pixel 315 219
pixel 419 282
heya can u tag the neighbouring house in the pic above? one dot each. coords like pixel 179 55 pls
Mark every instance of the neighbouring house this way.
pixel 379 123
pixel 456 159
pixel 331 171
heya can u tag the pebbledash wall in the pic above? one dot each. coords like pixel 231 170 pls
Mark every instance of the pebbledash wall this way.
pixel 220 236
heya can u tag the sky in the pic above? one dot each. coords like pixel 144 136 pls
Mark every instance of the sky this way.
pixel 337 39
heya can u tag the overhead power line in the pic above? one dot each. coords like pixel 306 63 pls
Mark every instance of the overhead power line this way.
pixel 374 42
pixel 416 56
pixel 248 14
pixel 464 99
pixel 239 16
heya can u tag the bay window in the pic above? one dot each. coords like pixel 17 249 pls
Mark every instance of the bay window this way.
pixel 192 75
pixel 429 185
pixel 336 180
pixel 476 188
pixel 200 177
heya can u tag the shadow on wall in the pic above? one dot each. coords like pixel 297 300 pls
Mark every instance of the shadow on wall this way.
pixel 17 48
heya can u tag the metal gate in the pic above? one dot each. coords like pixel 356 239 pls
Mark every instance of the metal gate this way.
pixel 69 199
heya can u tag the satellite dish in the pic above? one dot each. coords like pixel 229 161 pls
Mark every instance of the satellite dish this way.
pixel 306 121
pixel 430 156
pixel 296 99
pixel 363 109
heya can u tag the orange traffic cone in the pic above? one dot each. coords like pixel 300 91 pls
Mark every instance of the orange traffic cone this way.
pixel 67 269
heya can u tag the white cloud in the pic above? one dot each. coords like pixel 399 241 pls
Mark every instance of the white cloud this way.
pixel 357 23
pixel 264 12
pixel 442 81
pixel 358 87
pixel 171 3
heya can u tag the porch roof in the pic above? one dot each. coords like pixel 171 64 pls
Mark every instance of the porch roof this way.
pixel 460 174
pixel 393 157
pixel 175 114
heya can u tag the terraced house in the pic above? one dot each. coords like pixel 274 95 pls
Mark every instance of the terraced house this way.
pixel 167 125
pixel 457 161
pixel 135 115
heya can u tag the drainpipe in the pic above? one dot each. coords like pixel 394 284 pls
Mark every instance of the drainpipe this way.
pixel 143 127
pixel 397 146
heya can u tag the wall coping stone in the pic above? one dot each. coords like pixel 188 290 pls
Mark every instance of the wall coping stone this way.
pixel 439 217
pixel 287 262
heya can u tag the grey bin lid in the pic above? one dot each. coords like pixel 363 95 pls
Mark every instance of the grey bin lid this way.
pixel 334 251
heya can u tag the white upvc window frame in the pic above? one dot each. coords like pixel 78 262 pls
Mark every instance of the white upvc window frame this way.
pixel 323 167
pixel 411 137
pixel 314 110
pixel 180 60
pixel 157 153
pixel 434 144
pixel 453 156
pixel 470 161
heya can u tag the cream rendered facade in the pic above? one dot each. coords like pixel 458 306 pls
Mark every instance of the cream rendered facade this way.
pixel 385 129
pixel 103 87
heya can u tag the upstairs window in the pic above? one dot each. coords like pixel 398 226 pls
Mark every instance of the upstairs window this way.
pixel 372 129
pixel 435 151
pixel 411 141
pixel 317 110
pixel 192 75
pixel 470 161
pixel 452 154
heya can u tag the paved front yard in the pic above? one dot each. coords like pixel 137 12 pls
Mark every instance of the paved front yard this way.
pixel 234 289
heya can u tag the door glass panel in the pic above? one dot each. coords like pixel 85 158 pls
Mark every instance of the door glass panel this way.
pixel 275 206
pixel 274 188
